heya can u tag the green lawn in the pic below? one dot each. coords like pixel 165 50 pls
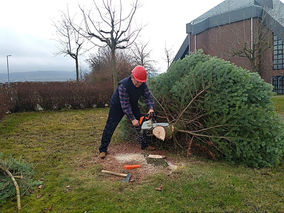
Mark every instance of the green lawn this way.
pixel 279 103
pixel 56 143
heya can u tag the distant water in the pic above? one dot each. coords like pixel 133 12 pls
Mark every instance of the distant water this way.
pixel 38 76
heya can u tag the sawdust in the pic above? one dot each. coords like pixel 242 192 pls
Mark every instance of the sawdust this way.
pixel 125 158
pixel 172 167
pixel 128 153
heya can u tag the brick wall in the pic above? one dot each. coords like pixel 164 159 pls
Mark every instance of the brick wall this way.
pixel 222 40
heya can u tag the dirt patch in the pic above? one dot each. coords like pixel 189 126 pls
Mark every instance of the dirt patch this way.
pixel 127 153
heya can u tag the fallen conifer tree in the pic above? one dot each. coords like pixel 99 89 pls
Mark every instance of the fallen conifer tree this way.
pixel 220 110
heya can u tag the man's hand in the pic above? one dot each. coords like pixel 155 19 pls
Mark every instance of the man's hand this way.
pixel 135 122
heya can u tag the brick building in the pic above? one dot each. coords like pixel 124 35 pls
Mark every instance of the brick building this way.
pixel 248 33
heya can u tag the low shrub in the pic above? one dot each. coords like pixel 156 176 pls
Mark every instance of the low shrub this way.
pixel 5 102
pixel 26 96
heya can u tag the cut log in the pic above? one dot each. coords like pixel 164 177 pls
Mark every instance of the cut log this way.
pixel 159 132
pixel 163 132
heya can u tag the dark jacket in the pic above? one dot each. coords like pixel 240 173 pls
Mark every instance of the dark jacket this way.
pixel 126 97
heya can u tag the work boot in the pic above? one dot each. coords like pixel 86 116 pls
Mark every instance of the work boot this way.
pixel 102 155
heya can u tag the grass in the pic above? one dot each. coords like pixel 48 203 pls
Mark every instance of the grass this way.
pixel 279 103
pixel 59 143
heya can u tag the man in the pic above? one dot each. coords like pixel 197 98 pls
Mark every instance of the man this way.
pixel 124 101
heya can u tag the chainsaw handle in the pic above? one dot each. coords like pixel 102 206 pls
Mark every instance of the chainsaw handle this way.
pixel 152 115
pixel 146 117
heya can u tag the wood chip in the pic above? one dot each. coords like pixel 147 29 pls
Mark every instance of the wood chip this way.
pixel 159 188
pixel 157 156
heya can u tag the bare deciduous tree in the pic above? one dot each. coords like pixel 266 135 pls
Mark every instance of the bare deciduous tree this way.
pixel 70 40
pixel 169 56
pixel 254 52
pixel 142 56
pixel 101 67
pixel 112 30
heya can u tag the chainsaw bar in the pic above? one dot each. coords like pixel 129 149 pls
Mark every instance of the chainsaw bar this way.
pixel 147 125
pixel 160 124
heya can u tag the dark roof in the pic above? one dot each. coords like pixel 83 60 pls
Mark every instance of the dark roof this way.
pixel 224 7
pixel 183 50
pixel 231 11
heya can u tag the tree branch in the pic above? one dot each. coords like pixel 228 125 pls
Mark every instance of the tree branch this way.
pixel 192 100
pixel 15 184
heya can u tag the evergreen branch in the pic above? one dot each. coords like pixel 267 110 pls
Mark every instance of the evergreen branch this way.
pixel 15 184
pixel 192 100
pixel 160 106
pixel 202 135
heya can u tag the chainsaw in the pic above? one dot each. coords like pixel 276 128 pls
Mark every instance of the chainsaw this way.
pixel 148 123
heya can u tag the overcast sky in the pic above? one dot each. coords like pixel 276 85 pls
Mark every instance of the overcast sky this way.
pixel 27 32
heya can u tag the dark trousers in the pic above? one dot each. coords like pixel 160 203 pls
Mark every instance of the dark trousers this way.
pixel 114 117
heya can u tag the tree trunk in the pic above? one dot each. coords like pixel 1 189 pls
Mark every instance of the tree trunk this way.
pixel 114 73
pixel 77 69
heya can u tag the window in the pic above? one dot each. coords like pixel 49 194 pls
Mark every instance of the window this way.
pixel 278 53
pixel 278 84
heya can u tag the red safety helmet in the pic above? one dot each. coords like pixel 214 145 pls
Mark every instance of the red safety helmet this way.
pixel 139 73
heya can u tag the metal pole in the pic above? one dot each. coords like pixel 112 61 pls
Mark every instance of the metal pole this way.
pixel 251 33
pixel 195 48
pixel 189 43
pixel 8 69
